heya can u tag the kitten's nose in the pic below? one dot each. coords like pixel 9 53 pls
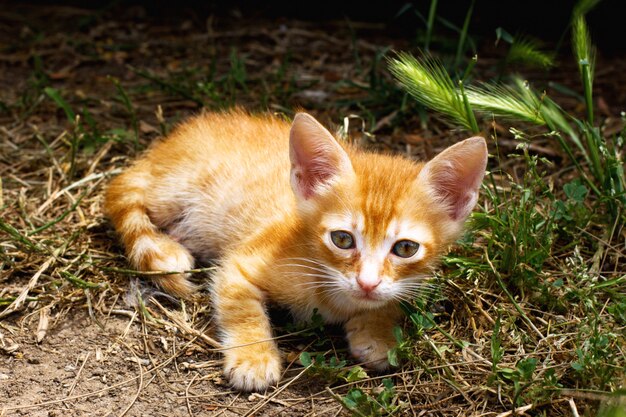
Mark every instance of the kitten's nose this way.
pixel 368 285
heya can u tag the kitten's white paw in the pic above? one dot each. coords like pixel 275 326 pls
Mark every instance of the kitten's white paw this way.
pixel 252 368
pixel 370 350
pixel 171 256
pixel 163 254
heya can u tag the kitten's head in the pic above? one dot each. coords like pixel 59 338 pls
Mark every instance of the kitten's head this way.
pixel 374 224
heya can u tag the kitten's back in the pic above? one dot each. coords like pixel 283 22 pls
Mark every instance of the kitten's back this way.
pixel 208 185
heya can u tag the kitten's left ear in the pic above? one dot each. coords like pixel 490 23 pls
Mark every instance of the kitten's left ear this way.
pixel 454 176
pixel 316 157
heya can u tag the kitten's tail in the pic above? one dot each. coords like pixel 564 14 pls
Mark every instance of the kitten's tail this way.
pixel 147 248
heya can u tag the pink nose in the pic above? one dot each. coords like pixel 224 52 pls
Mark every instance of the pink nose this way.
pixel 368 286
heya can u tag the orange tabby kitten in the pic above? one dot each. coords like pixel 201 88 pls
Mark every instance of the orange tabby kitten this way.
pixel 295 217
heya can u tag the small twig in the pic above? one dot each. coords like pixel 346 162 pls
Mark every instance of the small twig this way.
pixel 140 387
pixel 275 393
pixel 517 411
pixel 21 299
pixel 76 184
pixel 182 325
pixel 90 308
pixel 80 370
pixel 148 273
pixel 61 217
pixel 195 375
pixel 572 405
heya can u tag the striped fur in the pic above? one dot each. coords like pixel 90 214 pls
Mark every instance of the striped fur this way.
pixel 261 197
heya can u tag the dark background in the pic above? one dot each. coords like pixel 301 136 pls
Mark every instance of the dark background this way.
pixel 547 19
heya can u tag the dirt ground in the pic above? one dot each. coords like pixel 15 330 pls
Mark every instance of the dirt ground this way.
pixel 74 340
pixel 82 369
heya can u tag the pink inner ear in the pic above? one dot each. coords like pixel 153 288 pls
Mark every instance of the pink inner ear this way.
pixel 312 167
pixel 316 157
pixel 455 175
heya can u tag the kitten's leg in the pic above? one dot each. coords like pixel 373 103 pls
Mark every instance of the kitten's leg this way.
pixel 252 360
pixel 147 248
pixel 370 335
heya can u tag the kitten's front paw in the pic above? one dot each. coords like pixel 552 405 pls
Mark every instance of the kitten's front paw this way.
pixel 252 368
pixel 370 350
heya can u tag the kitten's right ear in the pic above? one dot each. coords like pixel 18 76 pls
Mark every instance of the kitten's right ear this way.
pixel 454 176
pixel 316 157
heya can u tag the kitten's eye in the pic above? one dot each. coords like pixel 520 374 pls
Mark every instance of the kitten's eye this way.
pixel 342 239
pixel 405 248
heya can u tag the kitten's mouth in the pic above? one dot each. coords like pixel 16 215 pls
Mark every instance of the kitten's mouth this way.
pixel 367 296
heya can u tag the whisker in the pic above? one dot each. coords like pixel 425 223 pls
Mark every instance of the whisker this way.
pixel 307 274
pixel 306 267
pixel 313 262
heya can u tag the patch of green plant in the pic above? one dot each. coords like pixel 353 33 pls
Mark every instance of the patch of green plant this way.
pixel 331 370
pixel 603 172
pixel 618 308
pixel 524 50
pixel 418 345
pixel 615 407
pixel 125 100
pixel 204 86
pixel 519 378
pixel 380 401
pixel 401 350
pixel 237 77
pixel 598 356
pixel 314 327
pixel 84 133
pixel 520 228
pixel 449 37
pixel 572 209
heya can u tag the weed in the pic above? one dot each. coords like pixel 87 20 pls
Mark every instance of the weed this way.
pixel 332 370
pixel 381 401
pixel 529 52
pixel 527 229
pixel 463 35
pixel 429 83
pixel 125 100
pixel 84 133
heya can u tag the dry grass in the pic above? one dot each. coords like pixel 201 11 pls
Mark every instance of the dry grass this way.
pixel 62 271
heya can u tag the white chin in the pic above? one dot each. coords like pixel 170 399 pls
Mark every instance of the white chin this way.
pixel 368 303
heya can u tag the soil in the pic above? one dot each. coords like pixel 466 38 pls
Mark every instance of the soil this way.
pixel 81 369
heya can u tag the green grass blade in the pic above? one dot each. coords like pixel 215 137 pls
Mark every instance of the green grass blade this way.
pixel 468 109
pixel 585 55
pixel 432 11
pixel 585 6
pixel 506 101
pixel 429 83
pixel 463 36
pixel 17 236
pixel 78 282
pixel 528 51
pixel 59 218
pixel 125 99
pixel 56 97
